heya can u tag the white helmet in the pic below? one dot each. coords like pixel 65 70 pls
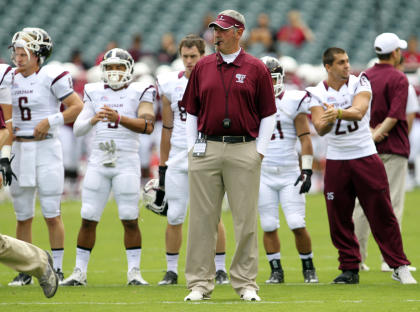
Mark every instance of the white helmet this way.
pixel 117 79
pixel 152 200
pixel 276 71
pixel 33 39
pixel 289 64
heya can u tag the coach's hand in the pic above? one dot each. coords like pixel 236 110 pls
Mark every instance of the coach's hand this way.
pixel 305 177
pixel 6 170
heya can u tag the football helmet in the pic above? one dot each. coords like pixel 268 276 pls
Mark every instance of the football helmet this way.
pixel 33 39
pixel 277 73
pixel 117 79
pixel 154 198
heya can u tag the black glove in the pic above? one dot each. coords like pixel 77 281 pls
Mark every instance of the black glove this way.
pixel 6 170
pixel 162 172
pixel 305 177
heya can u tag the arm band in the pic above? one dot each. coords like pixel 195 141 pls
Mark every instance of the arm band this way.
pixel 8 120
pixel 307 161
pixel 146 122
pixel 166 127
pixel 305 133
pixel 6 151
pixel 56 120
pixel 339 113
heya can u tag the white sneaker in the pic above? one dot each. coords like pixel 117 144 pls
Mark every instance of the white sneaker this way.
pixel 77 278
pixel 250 295
pixel 134 277
pixel 403 275
pixel 364 267
pixel 385 267
pixel 196 295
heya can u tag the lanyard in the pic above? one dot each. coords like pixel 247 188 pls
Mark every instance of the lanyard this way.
pixel 226 90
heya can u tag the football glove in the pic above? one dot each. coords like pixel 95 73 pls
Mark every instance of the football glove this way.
pixel 305 178
pixel 6 170
pixel 162 172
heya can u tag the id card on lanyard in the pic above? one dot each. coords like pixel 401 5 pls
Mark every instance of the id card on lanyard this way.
pixel 200 147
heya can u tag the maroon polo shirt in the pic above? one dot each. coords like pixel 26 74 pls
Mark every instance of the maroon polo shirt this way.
pixel 390 91
pixel 250 95
pixel 2 122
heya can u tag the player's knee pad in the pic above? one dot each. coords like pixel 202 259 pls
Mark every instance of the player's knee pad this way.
pixel 50 205
pixel 296 221
pixel 23 203
pixel 177 210
pixel 269 222
pixel 128 210
pixel 50 180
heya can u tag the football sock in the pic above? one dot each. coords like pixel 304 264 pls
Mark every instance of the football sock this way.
pixel 274 260
pixel 307 263
pixel 272 256
pixel 219 261
pixel 133 257
pixel 57 255
pixel 82 258
pixel 172 262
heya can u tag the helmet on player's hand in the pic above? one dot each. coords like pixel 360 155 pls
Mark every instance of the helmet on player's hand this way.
pixel 33 39
pixel 154 198
pixel 276 71
pixel 116 78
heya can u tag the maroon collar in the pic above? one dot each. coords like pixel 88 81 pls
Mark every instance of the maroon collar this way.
pixel 237 62
pixel 281 95
pixel 327 86
pixel 181 73
pixel 108 87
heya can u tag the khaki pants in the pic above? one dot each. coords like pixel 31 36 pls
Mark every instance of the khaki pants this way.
pixel 396 170
pixel 22 256
pixel 234 168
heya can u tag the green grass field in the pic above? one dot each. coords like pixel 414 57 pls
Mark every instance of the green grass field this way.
pixel 106 290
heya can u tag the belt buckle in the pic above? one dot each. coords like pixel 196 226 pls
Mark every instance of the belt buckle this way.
pixel 223 139
pixel 243 139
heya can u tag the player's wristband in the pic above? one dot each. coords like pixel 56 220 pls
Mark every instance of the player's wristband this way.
pixel 56 120
pixel 6 151
pixel 307 161
pixel 339 113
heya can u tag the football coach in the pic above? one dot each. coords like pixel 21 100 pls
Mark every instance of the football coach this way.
pixel 230 118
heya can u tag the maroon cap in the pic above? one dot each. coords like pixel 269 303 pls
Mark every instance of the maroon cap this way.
pixel 226 22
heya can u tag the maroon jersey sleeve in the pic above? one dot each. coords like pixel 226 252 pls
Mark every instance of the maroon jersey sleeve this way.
pixel 265 95
pixel 398 101
pixel 190 99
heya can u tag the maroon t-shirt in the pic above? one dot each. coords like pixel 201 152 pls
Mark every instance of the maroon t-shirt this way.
pixel 249 89
pixel 2 122
pixel 390 91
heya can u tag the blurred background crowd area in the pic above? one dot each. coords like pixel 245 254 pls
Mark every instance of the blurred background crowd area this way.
pixel 296 32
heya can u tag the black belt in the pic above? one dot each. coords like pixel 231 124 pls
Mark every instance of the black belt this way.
pixel 229 139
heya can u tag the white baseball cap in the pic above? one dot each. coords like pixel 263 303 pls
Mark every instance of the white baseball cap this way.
pixel 387 42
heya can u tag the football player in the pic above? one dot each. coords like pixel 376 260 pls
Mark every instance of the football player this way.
pixel 280 176
pixel 37 92
pixel 173 169
pixel 118 110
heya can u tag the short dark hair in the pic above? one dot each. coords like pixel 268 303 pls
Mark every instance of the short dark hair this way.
pixel 328 55
pixel 384 57
pixel 192 40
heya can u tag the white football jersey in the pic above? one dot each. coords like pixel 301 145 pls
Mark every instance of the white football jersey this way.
pixel 5 83
pixel 126 101
pixel 38 96
pixel 172 86
pixel 347 139
pixel 281 150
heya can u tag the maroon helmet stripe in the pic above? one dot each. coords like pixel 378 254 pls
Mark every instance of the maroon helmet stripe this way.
pixel 59 77
pixel 5 73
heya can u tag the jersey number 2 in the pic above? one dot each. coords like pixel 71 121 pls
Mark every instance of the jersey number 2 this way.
pixel 350 128
pixel 25 112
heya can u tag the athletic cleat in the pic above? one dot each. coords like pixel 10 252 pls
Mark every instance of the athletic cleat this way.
pixel 385 268
pixel 250 295
pixel 77 278
pixel 276 277
pixel 60 275
pixel 134 278
pixel 21 279
pixel 347 277
pixel 221 277
pixel 170 278
pixel 364 267
pixel 196 295
pixel 49 280
pixel 403 275
pixel 309 276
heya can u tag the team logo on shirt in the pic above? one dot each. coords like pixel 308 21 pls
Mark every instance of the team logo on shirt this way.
pixel 330 195
pixel 240 78
pixel 104 98
pixel 364 81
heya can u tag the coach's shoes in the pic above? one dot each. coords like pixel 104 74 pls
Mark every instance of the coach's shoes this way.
pixel 276 277
pixel 347 277
pixel 134 277
pixel 170 278
pixel 309 276
pixel 77 278
pixel 250 295
pixel 403 275
pixel 21 279
pixel 221 277
pixel 386 268
pixel 49 280
pixel 196 295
